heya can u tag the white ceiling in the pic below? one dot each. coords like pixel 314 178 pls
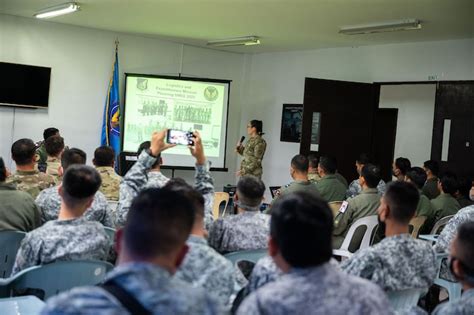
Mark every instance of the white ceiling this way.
pixel 283 25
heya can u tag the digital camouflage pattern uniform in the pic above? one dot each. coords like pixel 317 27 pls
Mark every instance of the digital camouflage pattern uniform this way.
pixel 32 182
pixel 49 202
pixel 252 154
pixel 151 285
pixel 110 182
pixel 398 262
pixel 355 188
pixel 463 306
pixel 317 290
pixel 74 239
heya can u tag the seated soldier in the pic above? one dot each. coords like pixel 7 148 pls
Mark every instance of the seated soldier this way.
pixel 363 205
pixel 151 247
pixel 26 178
pixel 430 189
pixel 354 187
pixel 54 148
pixel 399 261
pixel 71 236
pixel 445 204
pixel 417 176
pixel 462 267
pixel 310 284
pixel 462 194
pixel 249 228
pixel 41 154
pixel 18 210
pixel 49 200
pixel 329 186
pixel 400 168
pixel 313 175
pixel 104 162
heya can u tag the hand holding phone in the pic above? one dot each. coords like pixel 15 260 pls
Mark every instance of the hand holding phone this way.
pixel 179 137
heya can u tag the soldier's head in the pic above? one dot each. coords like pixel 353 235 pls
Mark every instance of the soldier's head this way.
pixel 146 145
pixel 54 146
pixel 398 204
pixel 361 161
pixel 249 193
pixel 255 127
pixel 23 152
pixel 158 224
pixel 461 260
pixel 70 157
pixel 400 167
pixel 313 163
pixel 104 156
pixel 464 187
pixel 3 171
pixel 299 165
pixel 416 176
pixel 49 132
pixel 77 190
pixel 369 176
pixel 297 218
pixel 448 183
pixel 327 165
pixel 431 168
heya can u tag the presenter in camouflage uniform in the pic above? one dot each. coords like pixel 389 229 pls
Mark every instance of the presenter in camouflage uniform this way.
pixel 253 151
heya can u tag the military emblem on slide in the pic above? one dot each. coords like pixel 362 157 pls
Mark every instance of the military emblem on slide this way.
pixel 210 93
pixel 142 84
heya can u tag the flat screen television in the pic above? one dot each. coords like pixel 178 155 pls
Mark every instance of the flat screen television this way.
pixel 24 85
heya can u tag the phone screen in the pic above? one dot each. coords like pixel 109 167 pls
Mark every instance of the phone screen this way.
pixel 179 137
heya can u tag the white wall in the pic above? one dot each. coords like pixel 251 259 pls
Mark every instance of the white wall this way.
pixel 278 78
pixel 81 61
pixel 415 105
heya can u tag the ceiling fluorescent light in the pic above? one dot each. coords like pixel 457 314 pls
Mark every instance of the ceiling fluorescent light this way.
pixel 238 41
pixel 57 10
pixel 390 26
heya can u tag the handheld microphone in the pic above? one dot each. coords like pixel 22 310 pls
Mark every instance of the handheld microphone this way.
pixel 242 139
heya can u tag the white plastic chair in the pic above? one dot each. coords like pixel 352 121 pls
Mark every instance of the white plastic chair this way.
pixel 370 222
pixel 403 300
pixel 454 288
pixel 433 236
pixel 247 255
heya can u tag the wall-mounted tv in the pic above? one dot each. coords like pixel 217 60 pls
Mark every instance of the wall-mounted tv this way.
pixel 24 85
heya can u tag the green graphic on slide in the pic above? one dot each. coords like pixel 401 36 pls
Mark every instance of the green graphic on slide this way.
pixel 156 103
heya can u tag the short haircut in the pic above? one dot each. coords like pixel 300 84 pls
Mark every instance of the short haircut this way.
pixel 402 198
pixel 328 164
pixel 104 156
pixel 464 186
pixel 49 132
pixel 159 221
pixel 465 247
pixel 250 190
pixel 179 185
pixel 371 174
pixel 301 226
pixel 72 156
pixel 403 164
pixel 313 160
pixel 363 159
pixel 417 176
pixel 144 146
pixel 80 182
pixel 54 145
pixel 449 183
pixel 3 170
pixel 23 151
pixel 300 163
pixel 433 166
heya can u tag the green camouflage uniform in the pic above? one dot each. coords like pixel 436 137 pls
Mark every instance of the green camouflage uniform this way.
pixel 314 177
pixel 41 157
pixel 253 154
pixel 52 166
pixel 110 182
pixel 331 188
pixel 31 182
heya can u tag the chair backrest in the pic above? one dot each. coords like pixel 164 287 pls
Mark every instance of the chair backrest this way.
pixel 405 299
pixel 219 197
pixel 440 224
pixel 110 233
pixel 51 279
pixel 9 243
pixel 248 255
pixel 335 206
pixel 370 224
pixel 415 225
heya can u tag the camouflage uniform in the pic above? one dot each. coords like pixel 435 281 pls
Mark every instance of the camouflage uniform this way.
pixel 331 189
pixel 244 231
pixel 430 189
pixel 253 154
pixel 151 285
pixel 49 202
pixel 74 239
pixel 355 188
pixel 110 182
pixel 463 306
pixel 204 267
pixel 18 210
pixel 314 177
pixel 396 263
pixel 52 166
pixel 41 157
pixel 317 290
pixel 31 182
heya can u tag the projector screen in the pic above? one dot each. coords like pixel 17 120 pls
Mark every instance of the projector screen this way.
pixel 156 102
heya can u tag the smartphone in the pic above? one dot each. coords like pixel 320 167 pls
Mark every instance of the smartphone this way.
pixel 179 137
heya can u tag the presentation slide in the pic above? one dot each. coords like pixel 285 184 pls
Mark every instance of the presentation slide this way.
pixel 187 104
